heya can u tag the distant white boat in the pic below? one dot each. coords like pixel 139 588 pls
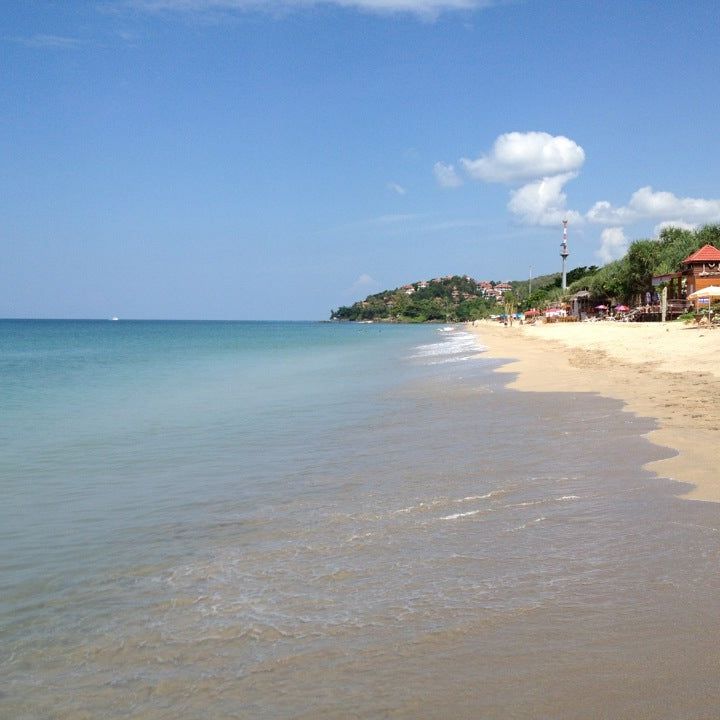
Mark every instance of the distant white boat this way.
pixel 114 318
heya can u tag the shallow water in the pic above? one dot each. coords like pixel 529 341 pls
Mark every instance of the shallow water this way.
pixel 309 520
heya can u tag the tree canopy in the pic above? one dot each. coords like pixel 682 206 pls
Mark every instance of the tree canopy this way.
pixel 451 299
pixel 460 298
pixel 631 276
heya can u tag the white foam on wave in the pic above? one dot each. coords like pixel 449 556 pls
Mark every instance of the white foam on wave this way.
pixel 455 516
pixel 524 526
pixel 543 501
pixel 529 503
pixel 360 536
pixel 421 506
pixel 458 358
pixel 426 505
pixel 491 494
pixel 456 346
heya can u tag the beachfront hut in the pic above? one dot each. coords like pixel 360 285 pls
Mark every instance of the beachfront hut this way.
pixel 698 270
pixel 701 269
pixel 555 312
pixel 580 304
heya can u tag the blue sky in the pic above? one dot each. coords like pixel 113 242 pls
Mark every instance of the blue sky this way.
pixel 273 160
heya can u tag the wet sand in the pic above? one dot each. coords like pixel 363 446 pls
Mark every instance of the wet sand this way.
pixel 669 371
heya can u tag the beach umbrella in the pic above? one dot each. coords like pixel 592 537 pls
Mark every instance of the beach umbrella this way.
pixel 530 313
pixel 622 308
pixel 712 291
pixel 709 293
pixel 601 307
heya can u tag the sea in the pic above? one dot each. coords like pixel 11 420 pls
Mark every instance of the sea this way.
pixel 322 520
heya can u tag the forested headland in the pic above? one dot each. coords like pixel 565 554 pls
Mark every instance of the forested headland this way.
pixel 460 298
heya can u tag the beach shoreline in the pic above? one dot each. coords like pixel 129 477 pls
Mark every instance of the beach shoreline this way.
pixel 667 371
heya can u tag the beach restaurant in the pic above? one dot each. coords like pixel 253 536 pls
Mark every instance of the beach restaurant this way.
pixel 702 269
pixel 698 271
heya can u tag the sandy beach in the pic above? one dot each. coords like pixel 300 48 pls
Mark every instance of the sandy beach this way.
pixel 666 371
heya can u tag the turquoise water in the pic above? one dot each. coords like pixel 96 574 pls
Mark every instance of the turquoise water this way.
pixel 112 430
pixel 303 520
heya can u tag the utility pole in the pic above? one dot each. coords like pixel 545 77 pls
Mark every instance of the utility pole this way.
pixel 564 255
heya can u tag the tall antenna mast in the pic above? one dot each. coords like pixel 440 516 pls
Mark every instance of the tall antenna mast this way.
pixel 564 254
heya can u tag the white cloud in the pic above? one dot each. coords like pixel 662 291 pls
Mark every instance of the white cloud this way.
pixel 428 9
pixel 646 203
pixel 543 202
pixel 656 204
pixel 392 219
pixel 364 285
pixel 446 175
pixel 674 224
pixel 425 8
pixel 539 162
pixel 613 244
pixel 398 189
pixel 539 165
pixel 52 42
pixel 604 213
pixel 517 156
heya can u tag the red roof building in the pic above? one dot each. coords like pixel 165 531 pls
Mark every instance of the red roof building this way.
pixel 706 254
pixel 701 269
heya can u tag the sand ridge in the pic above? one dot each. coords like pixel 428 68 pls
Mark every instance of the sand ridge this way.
pixel 668 371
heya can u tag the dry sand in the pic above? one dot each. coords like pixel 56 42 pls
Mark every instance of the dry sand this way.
pixel 668 371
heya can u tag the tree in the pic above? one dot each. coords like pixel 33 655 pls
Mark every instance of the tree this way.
pixel 609 281
pixel 510 302
pixel 675 245
pixel 641 261
pixel 708 235
pixel 576 274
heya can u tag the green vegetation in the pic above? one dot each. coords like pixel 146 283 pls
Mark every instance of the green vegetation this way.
pixel 546 289
pixel 450 299
pixel 627 280
pixel 460 298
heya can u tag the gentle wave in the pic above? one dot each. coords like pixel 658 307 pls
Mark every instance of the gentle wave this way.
pixel 526 525
pixel 455 516
pixel 250 518
pixel 425 506
pixel 491 494
pixel 454 343
pixel 459 358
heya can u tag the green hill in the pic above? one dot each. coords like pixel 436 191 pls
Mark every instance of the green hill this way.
pixel 460 298
pixel 456 298
pixel 449 299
